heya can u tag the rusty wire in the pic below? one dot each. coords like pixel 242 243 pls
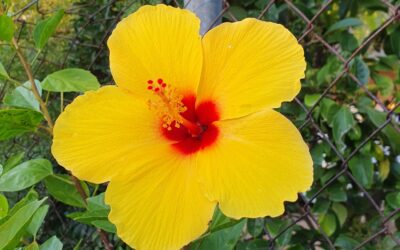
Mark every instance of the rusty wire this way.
pixel 304 204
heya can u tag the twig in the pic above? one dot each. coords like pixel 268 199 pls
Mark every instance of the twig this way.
pixel 102 234
pixel 35 91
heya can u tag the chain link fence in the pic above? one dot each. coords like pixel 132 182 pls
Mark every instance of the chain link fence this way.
pixel 107 13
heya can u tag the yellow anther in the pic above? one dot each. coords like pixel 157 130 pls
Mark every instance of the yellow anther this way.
pixel 167 104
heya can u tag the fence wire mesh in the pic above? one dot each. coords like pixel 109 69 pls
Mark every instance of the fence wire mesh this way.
pixel 95 20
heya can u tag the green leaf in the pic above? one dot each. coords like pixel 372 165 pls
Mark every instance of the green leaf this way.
pixel 25 175
pixel 342 122
pixel 220 221
pixel 362 169
pixel 328 223
pixel 96 203
pixel 328 109
pixel 15 122
pixel 393 200
pixel 238 12
pixel 384 169
pixel 256 244
pixel 3 206
pixel 62 188
pixel 348 41
pixel 13 161
pixel 341 212
pixel 378 118
pixel 310 100
pixel 96 210
pixel 23 97
pixel 105 225
pixel 3 72
pixel 37 220
pixel 224 239
pixel 395 42
pixel 33 246
pixel 385 84
pixel 337 193
pixel 255 226
pixel 344 24
pixel 52 244
pixel 361 70
pixel 321 206
pixel 46 28
pixel 275 227
pixel 70 80
pixel 346 242
pixel 32 195
pixel 11 228
pixel 7 28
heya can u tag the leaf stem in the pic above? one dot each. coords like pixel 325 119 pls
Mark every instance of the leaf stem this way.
pixel 36 56
pixel 61 102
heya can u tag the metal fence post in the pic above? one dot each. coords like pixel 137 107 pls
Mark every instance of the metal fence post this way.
pixel 207 10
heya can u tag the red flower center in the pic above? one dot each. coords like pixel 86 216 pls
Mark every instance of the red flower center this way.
pixel 199 133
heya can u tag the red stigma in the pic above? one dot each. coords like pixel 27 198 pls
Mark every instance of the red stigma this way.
pixel 185 142
pixel 164 85
pixel 160 81
pixel 156 89
pixel 149 87
pixel 150 82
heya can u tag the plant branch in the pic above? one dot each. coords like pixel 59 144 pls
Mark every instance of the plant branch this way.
pixel 35 91
pixel 102 234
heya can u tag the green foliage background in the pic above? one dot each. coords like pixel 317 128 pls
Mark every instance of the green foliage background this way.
pixel 351 125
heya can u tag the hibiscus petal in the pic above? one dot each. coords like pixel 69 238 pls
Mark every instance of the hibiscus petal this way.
pixel 250 65
pixel 161 208
pixel 106 133
pixel 259 162
pixel 156 42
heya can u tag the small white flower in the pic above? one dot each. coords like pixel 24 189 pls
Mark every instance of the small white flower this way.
pixel 353 109
pixel 359 118
pixel 373 160
pixel 363 219
pixel 386 150
pixel 398 158
pixel 331 165
pixel 349 186
pixel 379 108
pixel 397 119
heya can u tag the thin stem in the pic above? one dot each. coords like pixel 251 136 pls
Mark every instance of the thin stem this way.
pixel 36 56
pixel 17 83
pixel 61 102
pixel 35 91
pixel 47 97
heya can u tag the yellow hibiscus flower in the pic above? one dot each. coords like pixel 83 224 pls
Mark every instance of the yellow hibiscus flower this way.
pixel 189 125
